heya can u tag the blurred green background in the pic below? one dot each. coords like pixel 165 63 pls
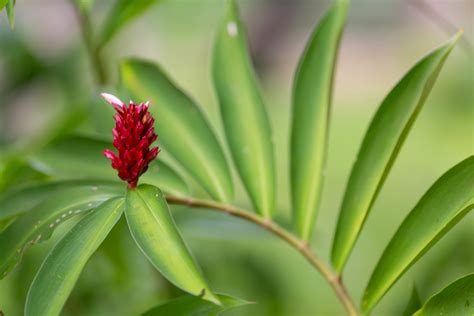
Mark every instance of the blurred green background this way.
pixel 46 75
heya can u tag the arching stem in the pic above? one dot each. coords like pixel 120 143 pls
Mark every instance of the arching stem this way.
pixel 334 280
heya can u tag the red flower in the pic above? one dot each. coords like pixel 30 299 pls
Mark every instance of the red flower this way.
pixel 133 136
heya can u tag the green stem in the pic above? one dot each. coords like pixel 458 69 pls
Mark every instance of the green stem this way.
pixel 93 51
pixel 301 246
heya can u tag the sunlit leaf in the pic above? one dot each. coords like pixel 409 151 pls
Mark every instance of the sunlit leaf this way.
pixel 157 236
pixel 60 270
pixel 413 304
pixel 312 92
pixel 17 201
pixel 380 147
pixel 182 128
pixel 3 3
pixel 449 199
pixel 195 306
pixel 245 121
pixel 122 13
pixel 457 299
pixel 81 157
pixel 38 224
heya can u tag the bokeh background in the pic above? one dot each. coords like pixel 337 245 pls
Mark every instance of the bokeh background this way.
pixel 46 76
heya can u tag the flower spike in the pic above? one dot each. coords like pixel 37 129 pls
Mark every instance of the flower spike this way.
pixel 133 136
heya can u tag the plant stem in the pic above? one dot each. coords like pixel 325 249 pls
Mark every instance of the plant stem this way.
pixel 301 246
pixel 93 51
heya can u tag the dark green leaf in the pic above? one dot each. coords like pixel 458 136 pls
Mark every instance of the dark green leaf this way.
pixel 194 306
pixel 123 12
pixel 182 127
pixel 39 224
pixel 312 92
pixel 457 299
pixel 81 157
pixel 60 270
pixel 245 121
pixel 380 147
pixel 413 304
pixel 157 236
pixel 449 199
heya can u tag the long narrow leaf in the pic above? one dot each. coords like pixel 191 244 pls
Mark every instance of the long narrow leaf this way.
pixel 85 154
pixel 195 306
pixel 122 13
pixel 18 201
pixel 449 199
pixel 457 299
pixel 60 270
pixel 311 107
pixel 3 3
pixel 182 127
pixel 380 147
pixel 245 121
pixel 157 236
pixel 39 224
pixel 11 12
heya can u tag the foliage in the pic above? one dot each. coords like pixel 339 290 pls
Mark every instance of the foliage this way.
pixel 70 179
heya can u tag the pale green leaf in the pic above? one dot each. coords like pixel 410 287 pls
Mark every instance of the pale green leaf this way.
pixel 457 299
pixel 195 306
pixel 122 13
pixel 60 270
pixel 11 12
pixel 245 121
pixel 312 92
pixel 81 157
pixel 157 236
pixel 38 224
pixel 182 127
pixel 85 5
pixel 380 147
pixel 22 199
pixel 448 200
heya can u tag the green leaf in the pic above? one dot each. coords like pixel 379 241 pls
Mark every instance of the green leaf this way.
pixel 449 199
pixel 194 306
pixel 81 157
pixel 11 12
pixel 312 92
pixel 157 236
pixel 413 304
pixel 60 270
pixel 123 12
pixel 245 121
pixel 85 5
pixel 20 200
pixel 457 299
pixel 38 224
pixel 380 147
pixel 3 3
pixel 182 127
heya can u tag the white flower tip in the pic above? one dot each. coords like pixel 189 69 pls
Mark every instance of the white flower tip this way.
pixel 112 99
pixel 232 29
pixel 147 103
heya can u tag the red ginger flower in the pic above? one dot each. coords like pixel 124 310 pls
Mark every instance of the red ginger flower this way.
pixel 133 136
